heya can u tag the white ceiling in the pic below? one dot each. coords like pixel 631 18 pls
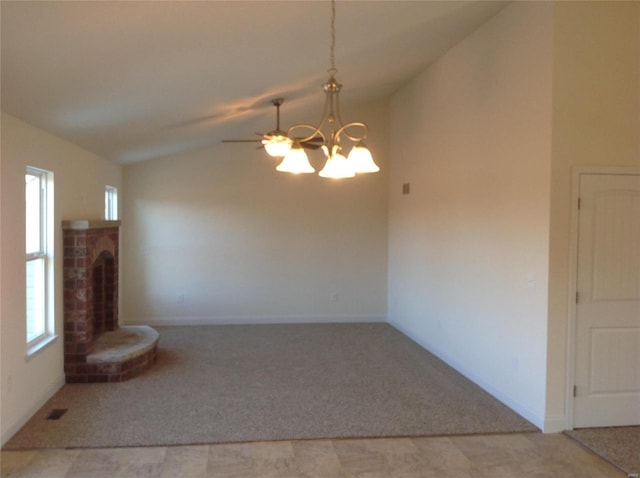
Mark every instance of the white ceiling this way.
pixel 132 81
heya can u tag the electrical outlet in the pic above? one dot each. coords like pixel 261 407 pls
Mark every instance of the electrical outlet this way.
pixel 531 280
pixel 335 297
pixel 180 298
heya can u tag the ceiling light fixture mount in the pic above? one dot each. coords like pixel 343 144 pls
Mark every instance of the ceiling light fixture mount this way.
pixel 337 166
pixel 276 142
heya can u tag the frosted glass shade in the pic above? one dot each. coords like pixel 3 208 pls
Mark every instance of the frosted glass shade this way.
pixel 361 160
pixel 296 162
pixel 337 167
pixel 277 146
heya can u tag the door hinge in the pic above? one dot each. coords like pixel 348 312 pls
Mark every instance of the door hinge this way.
pixel 578 203
pixel 575 391
pixel 577 296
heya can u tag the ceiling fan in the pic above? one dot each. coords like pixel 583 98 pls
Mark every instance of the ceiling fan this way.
pixel 277 135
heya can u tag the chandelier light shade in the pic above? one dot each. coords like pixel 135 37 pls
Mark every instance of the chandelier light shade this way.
pixel 337 166
pixel 295 161
pixel 328 134
pixel 361 160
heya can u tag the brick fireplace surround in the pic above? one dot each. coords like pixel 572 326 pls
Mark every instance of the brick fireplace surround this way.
pixel 91 309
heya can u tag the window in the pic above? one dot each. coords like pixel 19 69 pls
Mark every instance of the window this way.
pixel 37 235
pixel 110 203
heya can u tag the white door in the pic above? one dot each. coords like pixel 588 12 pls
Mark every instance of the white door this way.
pixel 607 369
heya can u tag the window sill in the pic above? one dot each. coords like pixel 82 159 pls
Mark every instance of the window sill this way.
pixel 40 345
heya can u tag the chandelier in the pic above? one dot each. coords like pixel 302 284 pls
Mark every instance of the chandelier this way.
pixel 290 147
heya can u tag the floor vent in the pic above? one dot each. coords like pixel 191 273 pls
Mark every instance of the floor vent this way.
pixel 56 413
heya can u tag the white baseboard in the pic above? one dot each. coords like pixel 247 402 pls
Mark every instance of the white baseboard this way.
pixel 253 320
pixel 19 422
pixel 536 418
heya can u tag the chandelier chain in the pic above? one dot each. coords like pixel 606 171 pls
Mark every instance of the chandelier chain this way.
pixel 332 56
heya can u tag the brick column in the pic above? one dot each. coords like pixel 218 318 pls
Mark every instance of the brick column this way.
pixel 85 244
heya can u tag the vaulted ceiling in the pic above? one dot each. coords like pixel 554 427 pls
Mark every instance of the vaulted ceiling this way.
pixel 133 81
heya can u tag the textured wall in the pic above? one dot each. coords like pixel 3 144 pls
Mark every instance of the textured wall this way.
pixel 79 183
pixel 220 236
pixel 468 247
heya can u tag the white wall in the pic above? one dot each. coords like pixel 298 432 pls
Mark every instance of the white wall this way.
pixel 596 122
pixel 241 242
pixel 79 181
pixel 468 247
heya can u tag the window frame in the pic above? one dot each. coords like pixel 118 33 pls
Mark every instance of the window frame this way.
pixel 111 203
pixel 44 257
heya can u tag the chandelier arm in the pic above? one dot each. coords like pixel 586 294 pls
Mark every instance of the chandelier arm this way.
pixel 317 131
pixel 338 115
pixel 355 139
pixel 343 127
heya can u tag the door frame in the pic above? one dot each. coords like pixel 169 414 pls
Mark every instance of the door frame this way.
pixel 573 272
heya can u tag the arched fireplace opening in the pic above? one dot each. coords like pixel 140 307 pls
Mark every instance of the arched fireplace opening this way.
pixel 104 294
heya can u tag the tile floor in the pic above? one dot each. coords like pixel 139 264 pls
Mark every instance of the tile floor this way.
pixel 495 456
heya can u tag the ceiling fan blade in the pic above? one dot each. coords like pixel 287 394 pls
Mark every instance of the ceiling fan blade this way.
pixel 314 143
pixel 310 145
pixel 240 140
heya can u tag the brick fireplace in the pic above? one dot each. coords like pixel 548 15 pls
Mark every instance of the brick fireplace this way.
pixel 91 309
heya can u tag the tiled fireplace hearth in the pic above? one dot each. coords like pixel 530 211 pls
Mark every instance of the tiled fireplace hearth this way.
pixel 96 348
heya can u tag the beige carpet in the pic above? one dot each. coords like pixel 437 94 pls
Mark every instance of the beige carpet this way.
pixel 620 446
pixel 273 382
